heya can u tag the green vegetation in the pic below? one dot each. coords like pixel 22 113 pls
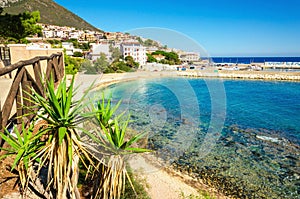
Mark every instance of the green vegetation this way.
pixel 52 143
pixel 130 62
pixel 148 42
pixel 116 54
pixel 72 64
pixel 56 145
pixel 77 54
pixel 51 13
pixel 101 65
pixel 17 27
pixel 24 146
pixel 202 195
pixel 171 58
pixel 76 44
pixel 138 184
pixel 112 173
pixel 150 58
pixel 54 43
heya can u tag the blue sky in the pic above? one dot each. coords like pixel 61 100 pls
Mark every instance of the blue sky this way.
pixel 222 28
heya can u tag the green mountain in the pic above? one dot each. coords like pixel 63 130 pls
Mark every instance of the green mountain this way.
pixel 51 13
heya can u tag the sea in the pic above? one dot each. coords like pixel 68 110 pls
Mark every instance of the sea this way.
pixel 248 60
pixel 240 136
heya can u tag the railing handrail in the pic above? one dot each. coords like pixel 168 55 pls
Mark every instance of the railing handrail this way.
pixel 20 64
pixel 23 81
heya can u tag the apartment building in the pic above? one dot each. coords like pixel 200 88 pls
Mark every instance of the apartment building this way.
pixel 97 49
pixel 135 50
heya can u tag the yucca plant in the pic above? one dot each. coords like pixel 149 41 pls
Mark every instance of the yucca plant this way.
pixel 24 148
pixel 110 181
pixel 63 147
pixel 104 111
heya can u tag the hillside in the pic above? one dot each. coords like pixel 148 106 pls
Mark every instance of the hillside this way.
pixel 51 13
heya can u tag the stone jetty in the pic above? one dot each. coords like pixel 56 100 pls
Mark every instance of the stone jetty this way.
pixel 263 75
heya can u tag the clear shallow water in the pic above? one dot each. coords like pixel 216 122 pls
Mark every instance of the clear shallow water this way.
pixel 240 136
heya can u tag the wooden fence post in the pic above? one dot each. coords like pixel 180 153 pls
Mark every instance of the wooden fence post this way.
pixel 1 124
pixel 38 76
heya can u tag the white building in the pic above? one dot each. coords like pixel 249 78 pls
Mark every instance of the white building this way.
pixel 70 50
pixel 135 50
pixel 74 35
pixel 48 33
pixel 96 49
pixel 189 56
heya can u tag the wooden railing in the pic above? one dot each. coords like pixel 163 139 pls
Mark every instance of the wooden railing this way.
pixel 22 84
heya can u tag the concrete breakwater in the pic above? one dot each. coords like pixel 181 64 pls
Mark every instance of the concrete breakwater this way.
pixel 265 75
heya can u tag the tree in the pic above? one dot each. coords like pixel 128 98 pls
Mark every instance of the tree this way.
pixel 149 42
pixel 140 40
pixel 101 63
pixel 77 54
pixel 115 53
pixel 130 62
pixel 170 57
pixel 18 27
pixel 74 42
pixel 150 58
pixel 87 66
pixel 72 64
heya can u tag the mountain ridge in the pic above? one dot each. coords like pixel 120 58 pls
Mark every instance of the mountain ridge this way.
pixel 50 12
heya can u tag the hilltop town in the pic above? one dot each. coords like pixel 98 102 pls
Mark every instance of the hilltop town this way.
pixel 93 44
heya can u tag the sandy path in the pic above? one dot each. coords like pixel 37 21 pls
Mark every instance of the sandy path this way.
pixel 160 183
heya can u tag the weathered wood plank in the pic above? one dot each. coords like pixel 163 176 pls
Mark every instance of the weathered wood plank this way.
pixel 55 69
pixel 19 107
pixel 1 129
pixel 38 76
pixel 11 96
pixel 26 92
pixel 0 118
pixel 61 66
pixel 49 70
pixel 34 85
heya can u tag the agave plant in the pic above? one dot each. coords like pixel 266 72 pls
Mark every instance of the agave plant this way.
pixel 112 173
pixel 63 148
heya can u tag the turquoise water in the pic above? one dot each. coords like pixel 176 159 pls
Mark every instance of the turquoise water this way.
pixel 241 137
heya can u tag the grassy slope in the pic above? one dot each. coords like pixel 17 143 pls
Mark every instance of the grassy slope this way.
pixel 51 13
